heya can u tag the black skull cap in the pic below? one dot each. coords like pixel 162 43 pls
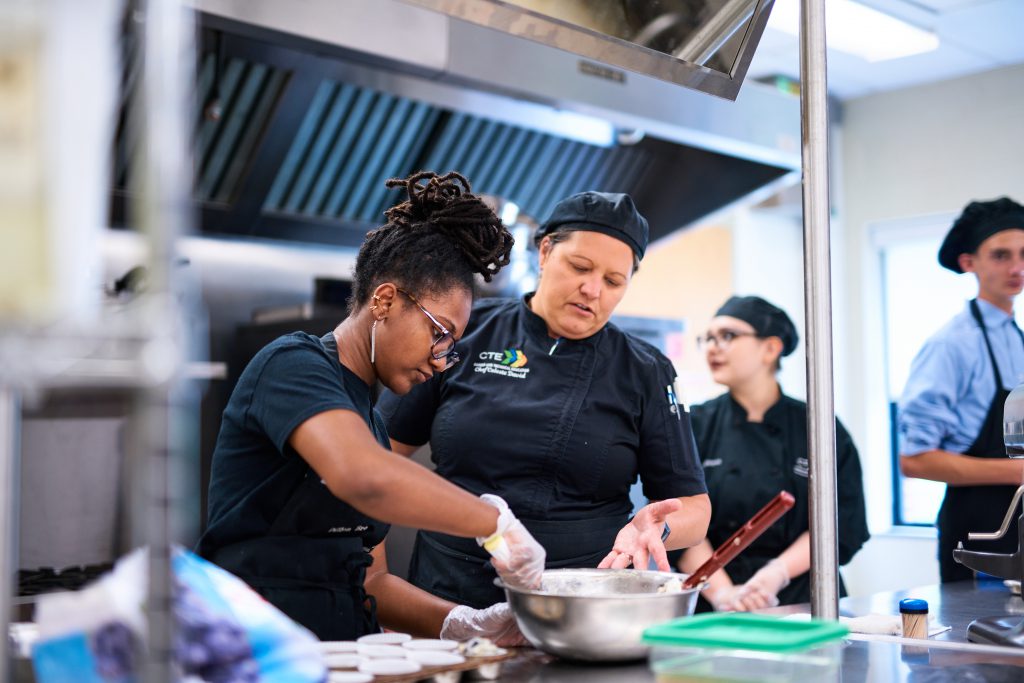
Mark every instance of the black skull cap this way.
pixel 978 222
pixel 613 214
pixel 767 319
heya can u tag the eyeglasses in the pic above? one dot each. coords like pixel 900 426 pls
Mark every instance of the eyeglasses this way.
pixel 722 340
pixel 443 347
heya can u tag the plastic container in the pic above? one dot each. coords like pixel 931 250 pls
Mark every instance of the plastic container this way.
pixel 914 616
pixel 744 647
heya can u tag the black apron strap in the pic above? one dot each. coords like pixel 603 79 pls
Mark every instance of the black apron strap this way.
pixel 459 570
pixel 978 508
pixel 976 313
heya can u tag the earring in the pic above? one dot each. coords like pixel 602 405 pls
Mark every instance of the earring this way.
pixel 373 342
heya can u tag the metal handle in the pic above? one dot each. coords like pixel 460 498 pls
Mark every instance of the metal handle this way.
pixel 996 535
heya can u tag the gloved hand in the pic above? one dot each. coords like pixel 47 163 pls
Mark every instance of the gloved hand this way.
pixel 640 540
pixel 496 622
pixel 517 556
pixel 762 589
pixel 725 599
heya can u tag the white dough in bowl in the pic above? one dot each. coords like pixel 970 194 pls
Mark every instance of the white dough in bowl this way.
pixel 671 586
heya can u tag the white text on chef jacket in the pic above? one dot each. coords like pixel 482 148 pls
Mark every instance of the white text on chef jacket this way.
pixel 492 368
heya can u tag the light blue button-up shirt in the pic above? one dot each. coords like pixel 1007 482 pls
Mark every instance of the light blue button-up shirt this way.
pixel 951 384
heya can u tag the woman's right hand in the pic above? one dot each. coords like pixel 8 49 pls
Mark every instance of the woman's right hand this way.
pixel 515 554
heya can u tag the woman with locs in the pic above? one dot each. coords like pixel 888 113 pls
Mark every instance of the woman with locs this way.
pixel 303 483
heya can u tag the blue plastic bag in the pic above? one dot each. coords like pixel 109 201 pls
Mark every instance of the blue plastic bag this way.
pixel 226 632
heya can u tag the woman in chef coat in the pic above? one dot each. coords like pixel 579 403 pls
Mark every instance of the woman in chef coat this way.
pixel 753 444
pixel 303 485
pixel 558 411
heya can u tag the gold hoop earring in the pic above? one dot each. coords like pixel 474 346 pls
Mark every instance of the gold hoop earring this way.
pixel 373 342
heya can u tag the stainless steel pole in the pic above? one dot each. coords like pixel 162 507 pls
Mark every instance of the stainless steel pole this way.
pixel 10 454
pixel 821 433
pixel 163 184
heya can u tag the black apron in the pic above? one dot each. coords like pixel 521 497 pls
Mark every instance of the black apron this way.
pixel 978 508
pixel 315 580
pixel 459 570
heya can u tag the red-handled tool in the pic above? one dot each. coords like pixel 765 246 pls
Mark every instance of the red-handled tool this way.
pixel 743 537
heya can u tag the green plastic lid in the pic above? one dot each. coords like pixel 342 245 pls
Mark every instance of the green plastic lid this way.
pixel 743 631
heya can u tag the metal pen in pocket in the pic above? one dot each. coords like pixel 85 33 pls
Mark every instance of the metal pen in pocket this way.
pixel 673 405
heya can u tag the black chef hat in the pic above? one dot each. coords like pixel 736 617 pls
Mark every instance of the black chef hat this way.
pixel 610 213
pixel 768 320
pixel 978 222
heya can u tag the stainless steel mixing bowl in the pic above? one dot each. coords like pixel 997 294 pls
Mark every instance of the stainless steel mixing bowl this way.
pixel 597 614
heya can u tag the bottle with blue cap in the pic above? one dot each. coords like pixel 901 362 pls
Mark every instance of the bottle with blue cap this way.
pixel 915 617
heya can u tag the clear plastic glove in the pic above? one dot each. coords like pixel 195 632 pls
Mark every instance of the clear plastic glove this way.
pixel 770 579
pixel 762 589
pixel 725 599
pixel 495 622
pixel 515 554
pixel 750 598
pixel 640 540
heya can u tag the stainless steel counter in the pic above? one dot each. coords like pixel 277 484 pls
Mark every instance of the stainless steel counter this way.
pixel 955 605
pixel 946 657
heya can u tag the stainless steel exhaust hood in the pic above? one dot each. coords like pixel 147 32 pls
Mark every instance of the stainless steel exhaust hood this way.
pixel 319 101
pixel 706 45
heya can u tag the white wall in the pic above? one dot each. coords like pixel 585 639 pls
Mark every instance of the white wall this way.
pixel 910 153
pixel 768 262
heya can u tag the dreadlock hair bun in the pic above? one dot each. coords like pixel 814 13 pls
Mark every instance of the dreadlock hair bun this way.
pixel 439 237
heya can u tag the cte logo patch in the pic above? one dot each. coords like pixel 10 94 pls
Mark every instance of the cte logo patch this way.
pixel 514 358
pixel 507 363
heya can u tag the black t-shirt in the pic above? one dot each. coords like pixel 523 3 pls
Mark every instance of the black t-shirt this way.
pixel 560 429
pixel 748 463
pixel 255 471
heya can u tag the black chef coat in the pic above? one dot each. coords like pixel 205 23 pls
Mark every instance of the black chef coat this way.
pixel 558 428
pixel 272 520
pixel 747 463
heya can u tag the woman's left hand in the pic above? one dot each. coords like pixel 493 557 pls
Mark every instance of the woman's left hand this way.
pixel 495 622
pixel 640 540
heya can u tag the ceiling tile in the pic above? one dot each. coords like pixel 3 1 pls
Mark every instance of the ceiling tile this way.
pixel 975 35
pixel 992 29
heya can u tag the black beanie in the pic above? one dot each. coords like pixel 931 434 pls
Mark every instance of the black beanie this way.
pixel 768 320
pixel 605 212
pixel 978 222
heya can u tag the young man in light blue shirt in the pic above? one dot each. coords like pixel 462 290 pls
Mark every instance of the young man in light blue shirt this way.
pixel 951 411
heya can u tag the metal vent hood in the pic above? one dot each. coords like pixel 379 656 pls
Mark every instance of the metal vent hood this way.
pixel 322 100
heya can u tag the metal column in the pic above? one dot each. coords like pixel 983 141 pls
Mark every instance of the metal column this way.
pixel 163 184
pixel 821 433
pixel 10 486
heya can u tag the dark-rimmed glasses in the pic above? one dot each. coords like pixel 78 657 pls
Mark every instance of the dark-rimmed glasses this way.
pixel 722 339
pixel 443 347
